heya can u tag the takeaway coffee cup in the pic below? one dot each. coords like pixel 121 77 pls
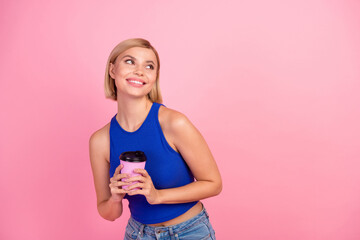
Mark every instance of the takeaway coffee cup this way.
pixel 131 161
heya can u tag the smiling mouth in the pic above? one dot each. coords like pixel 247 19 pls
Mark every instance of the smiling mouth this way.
pixel 135 81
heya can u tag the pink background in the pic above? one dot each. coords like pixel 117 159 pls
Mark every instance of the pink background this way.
pixel 272 85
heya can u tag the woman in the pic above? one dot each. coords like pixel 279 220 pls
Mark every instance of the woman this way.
pixel 165 201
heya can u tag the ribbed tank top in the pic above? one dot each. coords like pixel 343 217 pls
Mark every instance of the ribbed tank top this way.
pixel 165 166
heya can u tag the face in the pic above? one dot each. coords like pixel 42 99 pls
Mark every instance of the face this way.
pixel 134 71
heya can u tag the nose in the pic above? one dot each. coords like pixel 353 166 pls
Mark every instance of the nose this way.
pixel 138 71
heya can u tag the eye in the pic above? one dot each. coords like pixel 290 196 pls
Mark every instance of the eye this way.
pixel 151 66
pixel 127 60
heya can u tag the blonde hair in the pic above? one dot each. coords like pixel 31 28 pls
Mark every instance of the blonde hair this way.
pixel 110 89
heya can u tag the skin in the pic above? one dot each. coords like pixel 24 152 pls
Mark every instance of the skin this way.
pixel 179 132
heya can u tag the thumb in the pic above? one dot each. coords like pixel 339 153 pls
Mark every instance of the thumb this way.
pixel 118 169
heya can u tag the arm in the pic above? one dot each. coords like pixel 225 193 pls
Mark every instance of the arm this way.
pixel 195 151
pixel 109 199
pixel 192 146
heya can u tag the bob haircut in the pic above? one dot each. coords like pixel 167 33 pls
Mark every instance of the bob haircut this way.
pixel 110 89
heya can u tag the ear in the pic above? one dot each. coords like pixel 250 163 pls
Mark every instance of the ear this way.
pixel 112 70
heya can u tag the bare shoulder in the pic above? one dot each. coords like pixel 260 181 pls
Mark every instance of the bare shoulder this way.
pixel 171 119
pixel 173 124
pixel 100 141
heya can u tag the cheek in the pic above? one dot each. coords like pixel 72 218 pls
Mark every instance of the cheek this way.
pixel 152 77
pixel 123 71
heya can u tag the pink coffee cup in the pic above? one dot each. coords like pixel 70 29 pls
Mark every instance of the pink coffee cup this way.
pixel 131 161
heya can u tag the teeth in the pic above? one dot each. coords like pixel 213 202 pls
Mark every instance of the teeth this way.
pixel 134 81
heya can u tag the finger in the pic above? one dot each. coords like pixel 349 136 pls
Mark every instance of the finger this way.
pixel 118 169
pixel 118 191
pixel 136 185
pixel 135 192
pixel 142 172
pixel 121 176
pixel 117 184
pixel 136 178
pixel 117 177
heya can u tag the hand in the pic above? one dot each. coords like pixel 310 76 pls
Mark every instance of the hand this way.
pixel 146 186
pixel 117 193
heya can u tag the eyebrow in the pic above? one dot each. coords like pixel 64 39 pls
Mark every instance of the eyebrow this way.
pixel 150 61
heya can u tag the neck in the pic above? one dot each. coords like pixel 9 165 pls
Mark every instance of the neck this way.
pixel 132 112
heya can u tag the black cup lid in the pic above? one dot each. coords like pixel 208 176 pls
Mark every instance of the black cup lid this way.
pixel 133 156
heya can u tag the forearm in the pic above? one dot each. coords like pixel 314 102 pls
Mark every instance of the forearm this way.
pixel 194 191
pixel 110 209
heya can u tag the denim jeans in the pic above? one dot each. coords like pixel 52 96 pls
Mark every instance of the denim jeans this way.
pixel 196 228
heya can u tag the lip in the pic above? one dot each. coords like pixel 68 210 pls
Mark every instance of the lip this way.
pixel 136 79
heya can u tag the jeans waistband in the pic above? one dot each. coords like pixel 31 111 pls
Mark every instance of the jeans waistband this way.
pixel 172 229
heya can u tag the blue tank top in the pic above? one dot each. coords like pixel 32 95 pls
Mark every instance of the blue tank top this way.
pixel 165 166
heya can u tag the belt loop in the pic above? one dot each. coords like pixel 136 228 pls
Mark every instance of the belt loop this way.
pixel 141 231
pixel 171 232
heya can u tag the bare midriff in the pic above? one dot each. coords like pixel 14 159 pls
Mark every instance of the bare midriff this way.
pixel 192 212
